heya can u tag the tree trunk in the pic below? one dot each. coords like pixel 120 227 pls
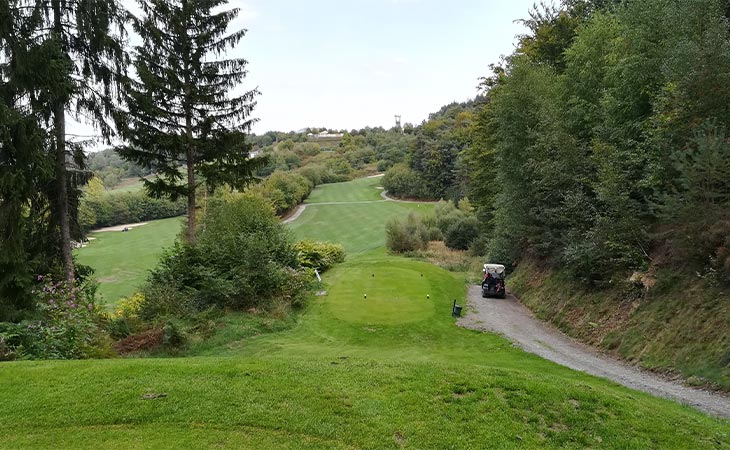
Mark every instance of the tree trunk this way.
pixel 59 124
pixel 190 156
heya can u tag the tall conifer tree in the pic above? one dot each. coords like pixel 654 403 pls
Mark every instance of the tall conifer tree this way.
pixel 180 111
pixel 25 173
pixel 76 61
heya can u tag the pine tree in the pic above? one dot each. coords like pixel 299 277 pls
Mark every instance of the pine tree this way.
pixel 77 60
pixel 26 173
pixel 180 111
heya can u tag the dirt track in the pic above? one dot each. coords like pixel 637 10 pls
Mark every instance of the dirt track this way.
pixel 515 322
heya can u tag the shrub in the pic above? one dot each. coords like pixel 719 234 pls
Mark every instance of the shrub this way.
pixel 285 190
pixel 296 287
pixel 402 181
pixel 406 235
pixel 116 208
pixel 127 319
pixel 446 214
pixel 243 258
pixel 172 337
pixel 318 255
pixel 462 233
pixel 66 326
pixel 384 165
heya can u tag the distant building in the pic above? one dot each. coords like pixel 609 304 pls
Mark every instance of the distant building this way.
pixel 327 135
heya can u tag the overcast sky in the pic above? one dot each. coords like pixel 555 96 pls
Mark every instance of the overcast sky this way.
pixel 345 65
pixel 328 63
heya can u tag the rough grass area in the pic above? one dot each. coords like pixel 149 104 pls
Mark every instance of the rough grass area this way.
pixel 680 325
pixel 122 260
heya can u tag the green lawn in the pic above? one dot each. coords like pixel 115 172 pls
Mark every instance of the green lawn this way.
pixel 358 226
pixel 387 371
pixel 122 260
pixel 363 189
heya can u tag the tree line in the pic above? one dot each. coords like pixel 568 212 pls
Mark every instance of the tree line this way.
pixel 169 100
pixel 601 144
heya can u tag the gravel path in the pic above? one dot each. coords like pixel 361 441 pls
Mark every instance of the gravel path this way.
pixel 120 227
pixel 514 321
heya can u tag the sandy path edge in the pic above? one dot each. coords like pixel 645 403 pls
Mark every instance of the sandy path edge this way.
pixel 120 227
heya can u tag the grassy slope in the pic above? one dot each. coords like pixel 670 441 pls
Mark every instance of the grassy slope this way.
pixel 133 184
pixel 681 325
pixel 362 189
pixel 121 261
pixel 389 371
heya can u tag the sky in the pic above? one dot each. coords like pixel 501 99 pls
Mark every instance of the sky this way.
pixel 348 65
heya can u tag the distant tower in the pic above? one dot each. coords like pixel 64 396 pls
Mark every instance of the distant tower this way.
pixel 397 123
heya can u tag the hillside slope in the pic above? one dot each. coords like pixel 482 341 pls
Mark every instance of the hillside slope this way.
pixel 678 326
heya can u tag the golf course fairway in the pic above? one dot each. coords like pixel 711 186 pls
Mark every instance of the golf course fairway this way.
pixel 375 363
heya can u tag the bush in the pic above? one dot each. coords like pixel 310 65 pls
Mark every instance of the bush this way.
pixel 172 337
pixel 243 258
pixel 384 165
pixel 406 235
pixel 462 233
pixel 66 326
pixel 285 190
pixel 446 214
pixel 127 318
pixel 318 255
pixel 401 181
pixel 295 289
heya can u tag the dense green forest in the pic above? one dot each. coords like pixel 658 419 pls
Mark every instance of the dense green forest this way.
pixel 111 169
pixel 611 152
pixel 599 145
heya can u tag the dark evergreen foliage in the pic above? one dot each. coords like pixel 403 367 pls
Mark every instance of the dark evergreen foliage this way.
pixel 68 57
pixel 180 111
pixel 56 56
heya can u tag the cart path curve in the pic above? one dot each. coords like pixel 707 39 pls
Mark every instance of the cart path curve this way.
pixel 509 318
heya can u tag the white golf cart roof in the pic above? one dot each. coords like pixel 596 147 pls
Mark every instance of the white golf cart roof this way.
pixel 493 268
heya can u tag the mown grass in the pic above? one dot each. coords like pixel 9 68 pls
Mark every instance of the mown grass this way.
pixel 362 189
pixel 359 227
pixel 270 403
pixel 122 260
pixel 387 371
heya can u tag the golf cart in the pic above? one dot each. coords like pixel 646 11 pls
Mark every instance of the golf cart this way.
pixel 493 281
